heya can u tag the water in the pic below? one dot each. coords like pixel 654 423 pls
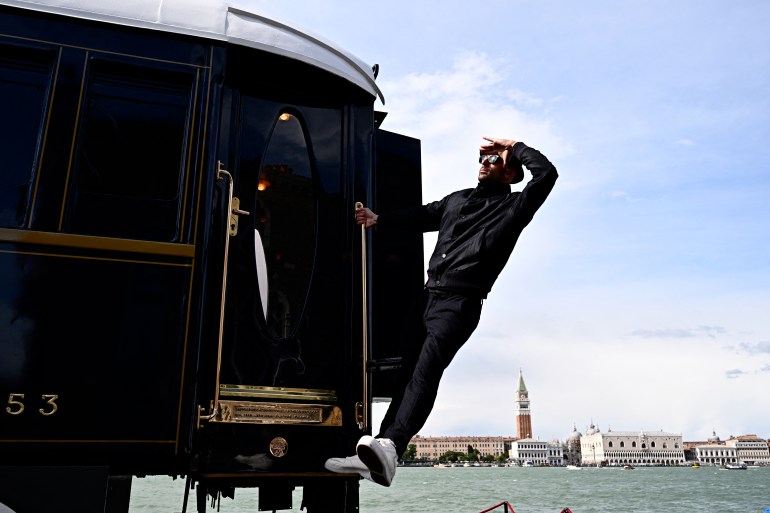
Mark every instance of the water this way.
pixel 528 490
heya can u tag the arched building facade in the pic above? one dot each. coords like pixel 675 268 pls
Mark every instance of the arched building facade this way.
pixel 620 448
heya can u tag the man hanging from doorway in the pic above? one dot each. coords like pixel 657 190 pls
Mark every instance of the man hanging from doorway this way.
pixel 477 231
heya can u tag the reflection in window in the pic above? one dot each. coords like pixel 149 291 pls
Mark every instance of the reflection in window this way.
pixel 25 75
pixel 285 219
pixel 130 155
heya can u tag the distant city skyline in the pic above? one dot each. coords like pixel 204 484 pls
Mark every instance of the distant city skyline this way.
pixel 523 423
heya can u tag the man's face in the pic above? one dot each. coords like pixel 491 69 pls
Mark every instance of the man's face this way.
pixel 493 169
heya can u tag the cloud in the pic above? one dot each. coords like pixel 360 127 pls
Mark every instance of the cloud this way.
pixel 684 142
pixel 758 348
pixel 622 195
pixel 453 108
pixel 766 368
pixel 734 373
pixel 709 331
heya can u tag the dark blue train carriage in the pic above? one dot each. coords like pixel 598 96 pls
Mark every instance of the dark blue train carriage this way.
pixel 180 276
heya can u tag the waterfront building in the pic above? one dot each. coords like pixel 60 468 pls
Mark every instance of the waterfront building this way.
pixel 690 448
pixel 617 448
pixel 539 453
pixel 750 449
pixel 431 448
pixel 717 455
pixel 523 418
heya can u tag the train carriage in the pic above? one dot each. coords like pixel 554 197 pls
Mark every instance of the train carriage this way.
pixel 182 288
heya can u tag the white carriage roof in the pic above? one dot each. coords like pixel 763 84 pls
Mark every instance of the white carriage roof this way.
pixel 221 20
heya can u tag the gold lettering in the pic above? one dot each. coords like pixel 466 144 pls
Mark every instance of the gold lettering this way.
pixel 12 401
pixel 50 400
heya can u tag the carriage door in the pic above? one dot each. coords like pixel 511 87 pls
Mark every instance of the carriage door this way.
pixel 284 319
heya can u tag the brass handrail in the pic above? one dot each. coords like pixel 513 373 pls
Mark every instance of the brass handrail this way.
pixel 232 212
pixel 363 415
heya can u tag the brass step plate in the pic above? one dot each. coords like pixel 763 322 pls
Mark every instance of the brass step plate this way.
pixel 251 412
pixel 260 392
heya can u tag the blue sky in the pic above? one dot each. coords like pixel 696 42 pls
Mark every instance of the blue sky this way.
pixel 638 298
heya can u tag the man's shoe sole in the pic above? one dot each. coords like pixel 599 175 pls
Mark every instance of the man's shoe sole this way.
pixel 369 458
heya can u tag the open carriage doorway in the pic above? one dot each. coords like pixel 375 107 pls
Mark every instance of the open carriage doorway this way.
pixel 286 307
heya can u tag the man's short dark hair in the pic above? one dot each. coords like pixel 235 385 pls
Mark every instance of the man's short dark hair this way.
pixel 514 163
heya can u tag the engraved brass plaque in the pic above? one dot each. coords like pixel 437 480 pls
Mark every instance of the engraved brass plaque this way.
pixel 248 412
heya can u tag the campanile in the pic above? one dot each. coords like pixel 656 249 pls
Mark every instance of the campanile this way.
pixel 523 419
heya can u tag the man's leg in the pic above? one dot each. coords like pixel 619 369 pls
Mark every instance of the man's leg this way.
pixel 449 321
pixel 410 344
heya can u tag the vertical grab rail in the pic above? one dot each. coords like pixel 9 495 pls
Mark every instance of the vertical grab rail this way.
pixel 362 408
pixel 232 229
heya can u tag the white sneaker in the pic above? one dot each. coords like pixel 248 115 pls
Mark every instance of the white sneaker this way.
pixel 349 465
pixel 379 455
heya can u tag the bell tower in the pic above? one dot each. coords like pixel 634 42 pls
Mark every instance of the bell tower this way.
pixel 523 419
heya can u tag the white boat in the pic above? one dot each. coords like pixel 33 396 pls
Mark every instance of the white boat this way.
pixel 574 467
pixel 528 463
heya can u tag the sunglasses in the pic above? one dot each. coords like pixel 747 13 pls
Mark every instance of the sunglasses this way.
pixel 492 159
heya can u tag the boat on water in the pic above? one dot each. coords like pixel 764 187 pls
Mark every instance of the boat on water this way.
pixel 528 463
pixel 628 467
pixel 695 465
pixel 739 466
pixel 574 467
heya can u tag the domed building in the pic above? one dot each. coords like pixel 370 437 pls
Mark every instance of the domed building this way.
pixel 572 447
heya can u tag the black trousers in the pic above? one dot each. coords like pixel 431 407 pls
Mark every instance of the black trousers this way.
pixel 436 329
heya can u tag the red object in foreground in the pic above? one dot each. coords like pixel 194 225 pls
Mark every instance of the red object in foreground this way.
pixel 508 508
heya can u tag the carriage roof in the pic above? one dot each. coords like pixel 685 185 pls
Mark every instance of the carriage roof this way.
pixel 222 20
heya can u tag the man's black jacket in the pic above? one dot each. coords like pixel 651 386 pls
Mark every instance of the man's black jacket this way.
pixel 477 228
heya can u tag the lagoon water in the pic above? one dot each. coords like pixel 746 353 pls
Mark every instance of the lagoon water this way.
pixel 527 490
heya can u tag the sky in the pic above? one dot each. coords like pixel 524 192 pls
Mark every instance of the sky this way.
pixel 638 297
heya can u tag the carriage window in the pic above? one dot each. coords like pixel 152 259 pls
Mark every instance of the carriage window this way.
pixel 131 152
pixel 25 75
pixel 285 220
